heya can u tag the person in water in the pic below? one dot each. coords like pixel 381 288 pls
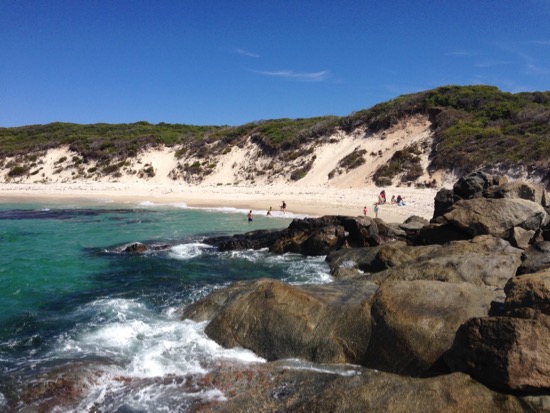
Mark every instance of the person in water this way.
pixel 283 207
pixel 269 211
pixel 249 216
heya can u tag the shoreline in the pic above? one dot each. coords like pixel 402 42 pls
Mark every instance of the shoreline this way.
pixel 305 201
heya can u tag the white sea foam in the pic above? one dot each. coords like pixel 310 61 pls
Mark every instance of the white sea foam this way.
pixel 188 251
pixel 144 347
pixel 148 344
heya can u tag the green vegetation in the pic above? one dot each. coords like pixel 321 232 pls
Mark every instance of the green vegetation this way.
pixel 405 162
pixel 475 127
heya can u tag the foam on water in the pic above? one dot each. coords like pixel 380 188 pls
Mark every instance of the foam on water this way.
pixel 188 251
pixel 144 347
pixel 148 344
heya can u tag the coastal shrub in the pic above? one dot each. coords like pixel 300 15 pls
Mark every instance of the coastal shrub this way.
pixel 353 160
pixel 299 173
pixel 148 171
pixel 17 171
pixel 405 161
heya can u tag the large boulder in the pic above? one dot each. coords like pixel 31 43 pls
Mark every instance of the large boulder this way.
pixel 530 291
pixel 505 353
pixel 519 190
pixel 472 185
pixel 516 220
pixel 415 322
pixel 326 323
pixel 483 260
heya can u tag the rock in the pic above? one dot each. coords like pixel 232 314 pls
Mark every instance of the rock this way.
pixel 136 247
pixel 413 223
pixel 519 190
pixel 443 200
pixel 440 233
pixel 251 240
pixel 309 236
pixel 139 248
pixel 484 260
pixel 505 353
pixel 356 261
pixel 273 387
pixel 325 323
pixel 521 238
pixel 535 258
pixel 472 185
pixel 415 322
pixel 496 217
pixel 531 291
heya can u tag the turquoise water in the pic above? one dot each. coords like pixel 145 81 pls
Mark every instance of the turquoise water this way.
pixel 68 293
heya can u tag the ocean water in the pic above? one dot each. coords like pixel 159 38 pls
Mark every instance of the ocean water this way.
pixel 68 296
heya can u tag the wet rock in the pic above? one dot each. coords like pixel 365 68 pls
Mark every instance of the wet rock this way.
pixel 324 323
pixel 309 236
pixel 276 388
pixel 140 248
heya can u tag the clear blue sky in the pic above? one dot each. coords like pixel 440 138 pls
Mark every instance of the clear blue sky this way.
pixel 216 62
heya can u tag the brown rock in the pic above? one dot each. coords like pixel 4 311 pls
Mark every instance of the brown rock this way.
pixel 324 323
pixel 531 291
pixel 415 322
pixel 506 353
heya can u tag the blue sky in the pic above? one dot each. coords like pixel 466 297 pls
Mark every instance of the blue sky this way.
pixel 217 62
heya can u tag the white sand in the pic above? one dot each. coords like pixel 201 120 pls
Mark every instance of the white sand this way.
pixel 314 195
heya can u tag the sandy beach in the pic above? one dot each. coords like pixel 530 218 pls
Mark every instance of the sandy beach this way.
pixel 227 186
pixel 311 201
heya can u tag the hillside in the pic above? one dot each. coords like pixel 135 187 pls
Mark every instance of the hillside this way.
pixel 412 140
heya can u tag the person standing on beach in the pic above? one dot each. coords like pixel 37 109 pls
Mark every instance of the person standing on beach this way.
pixel 365 211
pixel 376 210
pixel 283 207
pixel 249 216
pixel 269 211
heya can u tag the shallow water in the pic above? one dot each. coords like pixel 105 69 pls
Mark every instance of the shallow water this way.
pixel 68 295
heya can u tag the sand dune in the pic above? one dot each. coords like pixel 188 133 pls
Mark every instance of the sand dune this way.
pixel 314 195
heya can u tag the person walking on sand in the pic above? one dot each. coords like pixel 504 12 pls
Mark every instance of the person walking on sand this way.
pixel 269 211
pixel 283 207
pixel 249 216
pixel 365 211
pixel 376 210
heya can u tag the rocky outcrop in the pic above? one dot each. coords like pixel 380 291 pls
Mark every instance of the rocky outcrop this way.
pixel 276 387
pixel 140 248
pixel 309 236
pixel 417 298
pixel 484 260
pixel 515 220
pixel 325 323
pixel 510 352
